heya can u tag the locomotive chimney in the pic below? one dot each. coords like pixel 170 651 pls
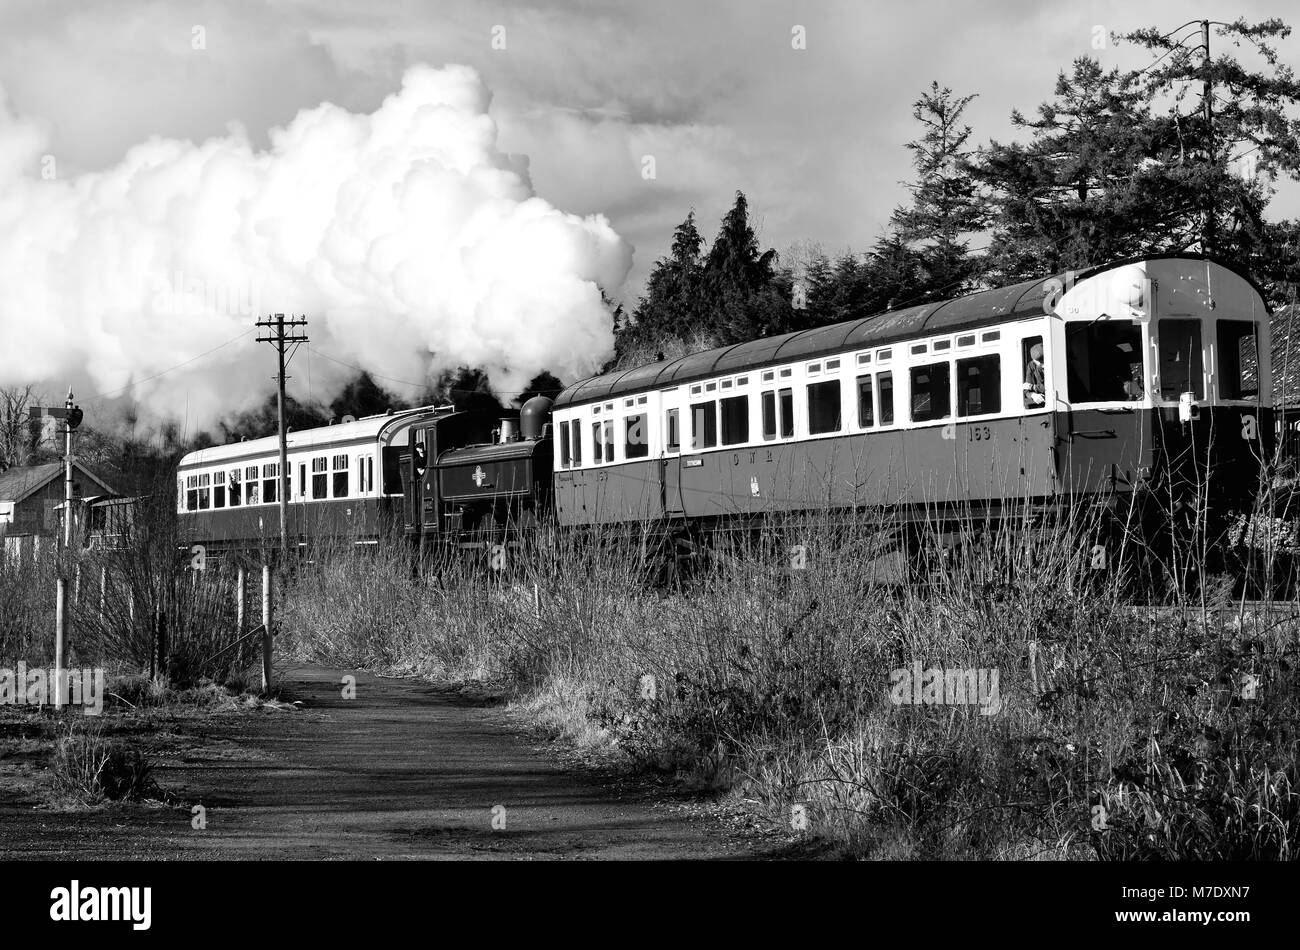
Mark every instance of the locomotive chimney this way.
pixel 507 430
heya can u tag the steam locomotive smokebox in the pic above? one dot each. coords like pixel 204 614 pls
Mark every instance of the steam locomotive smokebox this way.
pixel 535 413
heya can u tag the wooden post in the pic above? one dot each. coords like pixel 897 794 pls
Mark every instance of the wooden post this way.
pixel 60 619
pixel 241 581
pixel 266 628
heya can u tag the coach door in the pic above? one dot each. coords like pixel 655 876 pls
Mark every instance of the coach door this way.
pixel 670 459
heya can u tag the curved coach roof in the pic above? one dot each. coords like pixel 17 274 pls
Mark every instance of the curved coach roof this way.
pixel 369 429
pixel 985 306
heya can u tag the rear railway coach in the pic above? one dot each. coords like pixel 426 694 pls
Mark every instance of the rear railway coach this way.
pixel 1089 386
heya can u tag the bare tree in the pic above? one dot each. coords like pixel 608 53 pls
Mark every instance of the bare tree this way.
pixel 15 440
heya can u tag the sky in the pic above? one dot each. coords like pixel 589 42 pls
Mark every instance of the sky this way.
pixel 637 112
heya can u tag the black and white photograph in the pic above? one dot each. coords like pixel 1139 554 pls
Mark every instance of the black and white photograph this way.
pixel 858 436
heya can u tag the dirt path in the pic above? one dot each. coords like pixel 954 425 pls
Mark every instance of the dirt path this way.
pixel 404 770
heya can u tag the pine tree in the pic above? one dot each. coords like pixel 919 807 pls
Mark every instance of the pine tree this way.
pixel 946 202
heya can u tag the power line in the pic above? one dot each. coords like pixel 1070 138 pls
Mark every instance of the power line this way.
pixel 136 382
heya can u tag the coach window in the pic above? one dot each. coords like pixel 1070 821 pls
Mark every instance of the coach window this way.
pixel 365 474
pixel 609 440
pixel 866 403
pixel 252 487
pixel 1237 360
pixel 1034 382
pixel 636 444
pixel 564 445
pixel 233 488
pixel 204 492
pixel 597 443
pixel 269 473
pixel 302 480
pixel 769 415
pixel 1181 369
pixel 320 477
pixel 735 420
pixel 886 381
pixel 218 489
pixel 576 427
pixel 931 392
pixel 704 425
pixel 1103 361
pixel 340 476
pixel 824 407
pixel 672 431
pixel 979 386
pixel 192 493
pixel 785 415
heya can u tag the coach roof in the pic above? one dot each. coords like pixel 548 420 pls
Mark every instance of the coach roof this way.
pixel 941 316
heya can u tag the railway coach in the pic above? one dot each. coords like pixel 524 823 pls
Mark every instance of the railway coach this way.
pixel 1093 386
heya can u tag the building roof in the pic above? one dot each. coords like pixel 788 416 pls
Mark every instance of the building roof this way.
pixel 21 481
pixel 999 304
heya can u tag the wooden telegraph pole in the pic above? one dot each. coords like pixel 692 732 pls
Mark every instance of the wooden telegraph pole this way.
pixel 283 338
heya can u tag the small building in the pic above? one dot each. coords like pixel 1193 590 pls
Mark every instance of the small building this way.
pixel 31 503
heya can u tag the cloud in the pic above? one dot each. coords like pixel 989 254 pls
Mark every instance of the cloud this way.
pixel 408 238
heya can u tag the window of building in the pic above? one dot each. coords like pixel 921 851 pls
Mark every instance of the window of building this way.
pixel 1034 381
pixel 979 386
pixel 704 425
pixel 564 445
pixel 866 403
pixel 931 392
pixel 252 487
pixel 270 472
pixel 320 477
pixel 886 383
pixel 735 420
pixel 1238 359
pixel 1181 367
pixel 340 476
pixel 1103 361
pixel 218 489
pixel 672 430
pixel 785 413
pixel 636 441
pixel 233 491
pixel 824 407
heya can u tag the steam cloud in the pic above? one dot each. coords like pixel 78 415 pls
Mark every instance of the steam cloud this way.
pixel 410 242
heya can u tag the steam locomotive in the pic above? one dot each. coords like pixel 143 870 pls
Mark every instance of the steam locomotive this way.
pixel 1085 387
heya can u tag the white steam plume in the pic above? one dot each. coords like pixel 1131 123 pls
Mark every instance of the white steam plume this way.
pixel 410 242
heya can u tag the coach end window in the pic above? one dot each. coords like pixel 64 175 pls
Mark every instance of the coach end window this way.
pixel 1237 361
pixel 1181 366
pixel 564 445
pixel 979 386
pixel 1103 361
pixel 931 392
